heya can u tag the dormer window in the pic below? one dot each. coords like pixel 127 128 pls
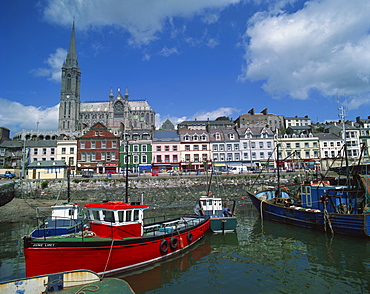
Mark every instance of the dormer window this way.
pixel 217 136
pixel 231 136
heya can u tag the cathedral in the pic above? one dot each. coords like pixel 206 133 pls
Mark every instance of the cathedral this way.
pixel 118 113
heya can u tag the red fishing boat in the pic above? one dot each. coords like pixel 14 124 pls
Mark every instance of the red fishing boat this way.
pixel 117 240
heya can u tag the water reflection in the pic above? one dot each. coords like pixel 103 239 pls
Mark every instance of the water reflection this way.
pixel 261 257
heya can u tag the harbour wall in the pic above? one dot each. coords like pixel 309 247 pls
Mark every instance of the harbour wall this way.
pixel 152 190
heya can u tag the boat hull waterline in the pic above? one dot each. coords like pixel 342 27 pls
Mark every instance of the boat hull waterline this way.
pixel 346 224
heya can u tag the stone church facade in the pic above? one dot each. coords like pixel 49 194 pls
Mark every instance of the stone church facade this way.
pixel 118 113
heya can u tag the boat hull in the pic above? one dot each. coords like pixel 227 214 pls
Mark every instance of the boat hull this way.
pixel 106 256
pixel 346 224
pixel 223 224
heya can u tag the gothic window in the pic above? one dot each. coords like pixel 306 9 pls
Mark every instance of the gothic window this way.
pixel 69 109
pixel 118 109
pixel 69 82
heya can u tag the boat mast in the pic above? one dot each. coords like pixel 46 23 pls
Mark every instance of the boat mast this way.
pixel 342 117
pixel 278 170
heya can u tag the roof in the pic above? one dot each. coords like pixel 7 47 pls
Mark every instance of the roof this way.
pixel 47 163
pixel 166 136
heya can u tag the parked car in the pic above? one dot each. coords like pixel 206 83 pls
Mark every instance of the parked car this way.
pixel 8 175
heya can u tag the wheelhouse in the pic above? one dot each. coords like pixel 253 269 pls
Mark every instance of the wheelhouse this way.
pixel 116 219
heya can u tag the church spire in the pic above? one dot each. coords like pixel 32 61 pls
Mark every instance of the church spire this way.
pixel 71 60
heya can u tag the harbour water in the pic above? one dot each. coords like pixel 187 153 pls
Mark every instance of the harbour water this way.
pixel 261 257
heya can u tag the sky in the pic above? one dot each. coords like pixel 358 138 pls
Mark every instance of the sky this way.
pixel 193 59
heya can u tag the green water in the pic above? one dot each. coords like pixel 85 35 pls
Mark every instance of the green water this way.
pixel 261 257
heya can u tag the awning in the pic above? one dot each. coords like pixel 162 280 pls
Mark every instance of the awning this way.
pixel 219 164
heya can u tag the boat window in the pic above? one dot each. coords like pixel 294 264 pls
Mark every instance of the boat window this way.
pixel 108 215
pixel 136 214
pixel 121 216
pixel 209 202
pixel 95 215
pixel 128 215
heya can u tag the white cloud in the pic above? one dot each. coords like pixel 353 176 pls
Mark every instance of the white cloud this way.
pixel 10 118
pixel 143 19
pixel 168 51
pixel 325 46
pixel 55 63
pixel 202 115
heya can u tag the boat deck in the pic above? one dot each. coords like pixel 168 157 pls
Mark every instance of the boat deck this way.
pixel 173 226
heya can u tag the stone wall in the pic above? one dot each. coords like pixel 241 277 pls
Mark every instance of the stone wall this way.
pixel 169 189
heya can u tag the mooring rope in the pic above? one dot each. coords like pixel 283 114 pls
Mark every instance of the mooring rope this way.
pixel 110 251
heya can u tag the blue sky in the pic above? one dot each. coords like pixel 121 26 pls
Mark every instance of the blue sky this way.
pixel 193 59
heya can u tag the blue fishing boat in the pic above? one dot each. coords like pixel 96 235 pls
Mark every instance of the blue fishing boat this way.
pixel 66 218
pixel 338 205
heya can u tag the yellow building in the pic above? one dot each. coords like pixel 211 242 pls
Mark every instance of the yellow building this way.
pixel 47 170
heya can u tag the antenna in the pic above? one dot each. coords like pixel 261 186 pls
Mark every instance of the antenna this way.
pixel 37 123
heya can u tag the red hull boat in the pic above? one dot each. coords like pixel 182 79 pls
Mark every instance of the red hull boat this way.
pixel 117 241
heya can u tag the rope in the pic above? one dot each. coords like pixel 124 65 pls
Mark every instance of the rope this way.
pixel 327 220
pixel 110 251
pixel 85 288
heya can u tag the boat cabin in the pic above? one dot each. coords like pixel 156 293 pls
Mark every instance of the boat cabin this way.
pixel 116 219
pixel 336 199
pixel 65 211
pixel 211 206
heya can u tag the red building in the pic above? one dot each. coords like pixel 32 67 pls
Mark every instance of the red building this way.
pixel 98 151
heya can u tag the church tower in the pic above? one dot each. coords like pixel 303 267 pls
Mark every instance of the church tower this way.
pixel 69 108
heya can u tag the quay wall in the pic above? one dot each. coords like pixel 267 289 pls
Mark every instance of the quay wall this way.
pixel 153 190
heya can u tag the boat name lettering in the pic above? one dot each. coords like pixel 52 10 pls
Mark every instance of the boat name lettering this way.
pixel 44 245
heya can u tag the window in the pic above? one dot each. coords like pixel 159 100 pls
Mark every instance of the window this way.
pixel 204 147
pixel 35 151
pixel 96 133
pixel 195 138
pixel 83 156
pixel 196 147
pixel 167 148
pixel 306 145
pixel 237 156
pixel 186 138
pixel 236 146
pixel 245 155
pixel 63 150
pixel 253 155
pixel 144 159
pixel 262 155
pixel 325 144
pixel 166 158
pixel 215 147
pixel 196 157
pixel 229 148
pixel 144 148
pixel 103 144
pixel 217 136
pixel 288 145
pixel 307 154
pixel 231 136
pixel 102 155
pixel 44 151
pixel 93 156
pixel 204 138
pixel 93 144
pixel 204 157
pixel 158 148
pixel 136 159
pixel 261 145
pixel 108 156
pixel 174 148
pixel 187 157
pixel 253 145
pixel 229 156
pixel 222 147
pixel 114 144
pixel 187 147
pixel 159 158
pixel 136 148
pixel 245 145
pixel 82 144
pixel 72 150
pixel 113 155
pixel 268 145
pixel 297 145
pixel 175 158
